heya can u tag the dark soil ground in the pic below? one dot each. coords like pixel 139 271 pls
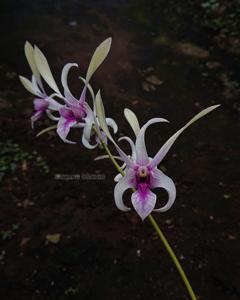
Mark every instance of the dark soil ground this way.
pixel 103 253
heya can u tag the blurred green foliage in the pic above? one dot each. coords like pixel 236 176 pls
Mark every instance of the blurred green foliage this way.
pixel 12 156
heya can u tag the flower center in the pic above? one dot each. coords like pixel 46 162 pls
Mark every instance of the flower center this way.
pixel 142 175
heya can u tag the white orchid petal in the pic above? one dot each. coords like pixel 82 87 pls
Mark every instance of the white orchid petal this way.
pixel 110 122
pixel 143 203
pixel 132 120
pixel 142 157
pixel 132 145
pixel 53 104
pixel 98 57
pixel 29 53
pixel 102 121
pixel 163 181
pixel 86 136
pixel 117 177
pixel 89 88
pixel 63 129
pixel 44 69
pixel 86 143
pixel 35 85
pixel 166 147
pixel 28 85
pixel 123 184
pixel 51 116
pixel 64 77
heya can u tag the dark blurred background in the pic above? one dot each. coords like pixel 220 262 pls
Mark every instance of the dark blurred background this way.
pixel 65 239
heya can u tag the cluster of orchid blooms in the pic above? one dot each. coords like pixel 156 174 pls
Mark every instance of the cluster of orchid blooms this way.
pixel 139 171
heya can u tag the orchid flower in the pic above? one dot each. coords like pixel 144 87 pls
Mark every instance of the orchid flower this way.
pixel 39 66
pixel 77 113
pixel 142 173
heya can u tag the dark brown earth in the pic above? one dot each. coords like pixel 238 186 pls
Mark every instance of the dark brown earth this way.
pixel 104 253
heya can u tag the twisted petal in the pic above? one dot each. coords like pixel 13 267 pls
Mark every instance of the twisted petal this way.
pixel 132 120
pixel 51 116
pixel 131 143
pixel 98 57
pixel 143 202
pixel 90 90
pixel 166 147
pixel 64 126
pixel 110 122
pixel 44 70
pixel 123 184
pixel 86 136
pixel 141 151
pixel 64 77
pixel 163 181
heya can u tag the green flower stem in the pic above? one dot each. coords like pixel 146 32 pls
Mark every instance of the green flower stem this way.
pixel 159 232
pixel 173 257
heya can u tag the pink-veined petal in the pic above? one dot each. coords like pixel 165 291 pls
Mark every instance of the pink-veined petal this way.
pixel 66 113
pixel 142 157
pixel 166 147
pixel 63 128
pixel 40 104
pixel 123 184
pixel 143 202
pixel 160 180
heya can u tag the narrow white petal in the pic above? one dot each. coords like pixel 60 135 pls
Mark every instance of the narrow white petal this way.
pixel 163 181
pixel 36 87
pixel 132 145
pixel 142 157
pixel 64 77
pixel 29 52
pixel 98 57
pixel 110 122
pixel 28 85
pixel 102 121
pixel 86 143
pixel 44 69
pixel 123 184
pixel 51 116
pixel 89 88
pixel 132 120
pixel 166 147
